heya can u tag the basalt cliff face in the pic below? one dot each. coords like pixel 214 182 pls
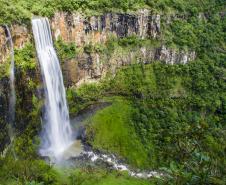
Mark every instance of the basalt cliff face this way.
pixel 82 30
pixel 97 29
pixel 89 67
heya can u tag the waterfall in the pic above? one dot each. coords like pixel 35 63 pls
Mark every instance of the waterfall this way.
pixel 57 133
pixel 12 97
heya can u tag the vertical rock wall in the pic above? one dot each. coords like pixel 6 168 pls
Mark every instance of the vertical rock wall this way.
pixel 97 29
pixel 81 30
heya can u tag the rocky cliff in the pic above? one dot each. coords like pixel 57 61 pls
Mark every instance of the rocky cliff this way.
pixel 89 67
pixel 97 29
pixel 20 35
pixel 81 30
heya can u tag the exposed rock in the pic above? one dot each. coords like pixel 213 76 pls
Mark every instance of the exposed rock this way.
pixel 91 67
pixel 20 36
pixel 74 27
pixel 154 28
pixel 71 72
pixel 170 56
pixel 143 19
pixel 97 29
pixel 4 50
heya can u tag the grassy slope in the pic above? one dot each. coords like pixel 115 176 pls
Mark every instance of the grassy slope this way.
pixel 112 131
pixel 113 128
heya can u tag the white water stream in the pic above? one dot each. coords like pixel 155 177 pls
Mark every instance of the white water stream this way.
pixel 57 133
pixel 12 97
pixel 117 165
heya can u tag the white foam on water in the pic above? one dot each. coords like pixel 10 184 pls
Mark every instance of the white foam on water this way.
pixel 112 160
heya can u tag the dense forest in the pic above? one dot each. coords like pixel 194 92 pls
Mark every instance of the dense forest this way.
pixel 21 11
pixel 163 117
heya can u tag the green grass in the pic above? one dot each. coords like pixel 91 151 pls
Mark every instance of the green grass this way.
pixel 101 177
pixel 85 176
pixel 110 130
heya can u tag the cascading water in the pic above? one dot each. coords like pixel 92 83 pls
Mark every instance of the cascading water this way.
pixel 12 98
pixel 57 133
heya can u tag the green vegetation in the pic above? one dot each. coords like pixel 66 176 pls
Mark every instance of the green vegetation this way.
pixel 27 84
pixel 21 11
pixel 25 58
pixel 111 130
pixel 101 177
pixel 24 171
pixel 65 51
pixel 131 42
pixel 196 33
pixel 183 115
pixel 178 113
pixel 80 98
pixel 163 117
pixel 37 172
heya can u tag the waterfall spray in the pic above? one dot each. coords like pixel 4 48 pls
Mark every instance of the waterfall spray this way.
pixel 57 134
pixel 12 98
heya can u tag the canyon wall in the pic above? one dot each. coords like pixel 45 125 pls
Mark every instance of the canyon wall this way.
pixel 89 67
pixel 97 29
pixel 86 66
pixel 83 31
